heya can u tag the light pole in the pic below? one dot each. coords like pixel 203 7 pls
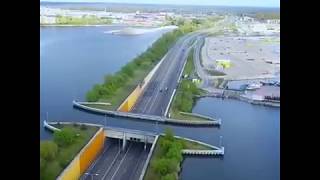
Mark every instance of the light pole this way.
pixel 91 175
pixel 47 117
pixel 220 144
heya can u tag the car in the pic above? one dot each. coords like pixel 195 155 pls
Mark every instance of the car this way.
pixel 160 90
pixel 166 89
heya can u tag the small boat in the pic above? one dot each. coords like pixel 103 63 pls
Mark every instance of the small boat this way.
pixel 254 86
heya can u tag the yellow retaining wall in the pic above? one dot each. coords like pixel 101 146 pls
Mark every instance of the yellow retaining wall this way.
pixel 127 105
pixel 84 158
pixel 73 171
pixel 90 152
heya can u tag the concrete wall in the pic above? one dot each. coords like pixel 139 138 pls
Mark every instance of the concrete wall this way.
pixel 84 158
pixel 114 133
pixel 72 172
pixel 128 104
pixel 90 152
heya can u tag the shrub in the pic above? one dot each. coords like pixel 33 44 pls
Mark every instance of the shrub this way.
pixel 64 137
pixel 48 150
pixel 83 127
pixel 171 176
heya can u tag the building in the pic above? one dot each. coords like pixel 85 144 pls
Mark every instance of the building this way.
pixel 224 63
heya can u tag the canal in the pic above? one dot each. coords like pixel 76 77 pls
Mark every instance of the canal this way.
pixel 73 59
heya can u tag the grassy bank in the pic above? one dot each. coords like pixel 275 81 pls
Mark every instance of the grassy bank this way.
pixel 167 157
pixel 56 154
pixel 84 20
pixel 186 93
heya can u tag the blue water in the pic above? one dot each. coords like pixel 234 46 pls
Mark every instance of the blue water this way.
pixel 251 137
pixel 74 59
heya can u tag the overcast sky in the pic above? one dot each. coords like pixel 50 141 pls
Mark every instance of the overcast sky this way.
pixel 257 3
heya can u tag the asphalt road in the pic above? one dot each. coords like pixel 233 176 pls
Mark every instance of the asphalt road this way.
pixel 154 102
pixel 115 165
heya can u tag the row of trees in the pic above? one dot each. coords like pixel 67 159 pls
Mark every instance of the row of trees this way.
pixel 268 15
pixel 144 61
pixel 186 96
pixel 168 165
pixel 84 20
pixel 187 90
pixel 50 149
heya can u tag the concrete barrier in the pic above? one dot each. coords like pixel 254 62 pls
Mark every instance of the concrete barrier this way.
pixel 146 164
pixel 199 115
pixel 95 103
pixel 131 100
pixel 84 158
pixel 49 127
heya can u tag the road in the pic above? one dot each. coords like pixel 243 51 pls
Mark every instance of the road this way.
pixel 113 164
pixel 206 79
pixel 153 101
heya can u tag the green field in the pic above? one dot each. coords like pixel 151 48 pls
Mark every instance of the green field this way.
pixel 51 169
pixel 84 20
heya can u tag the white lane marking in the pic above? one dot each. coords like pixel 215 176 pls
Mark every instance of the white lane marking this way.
pixel 170 67
pixel 121 161
pixel 95 162
pixel 111 165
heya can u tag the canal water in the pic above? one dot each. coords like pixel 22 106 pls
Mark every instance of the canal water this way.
pixel 73 59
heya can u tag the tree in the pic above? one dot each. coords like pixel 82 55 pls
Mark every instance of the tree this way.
pixel 171 176
pixel 169 134
pixel 165 145
pixel 43 164
pixel 64 137
pixel 174 151
pixel 48 150
pixel 161 166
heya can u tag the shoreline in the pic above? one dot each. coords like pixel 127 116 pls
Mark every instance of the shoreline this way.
pixel 96 25
pixel 244 99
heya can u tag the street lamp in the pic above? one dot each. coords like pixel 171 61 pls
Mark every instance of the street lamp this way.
pixel 91 175
pixel 220 141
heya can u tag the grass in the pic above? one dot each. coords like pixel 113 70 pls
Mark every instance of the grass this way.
pixel 175 114
pixel 66 154
pixel 123 92
pixel 85 20
pixel 158 153
pixel 189 67
pixel 189 70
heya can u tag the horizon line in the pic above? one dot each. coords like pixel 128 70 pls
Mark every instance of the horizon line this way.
pixel 161 4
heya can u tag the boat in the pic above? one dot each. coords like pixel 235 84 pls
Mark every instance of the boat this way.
pixel 254 86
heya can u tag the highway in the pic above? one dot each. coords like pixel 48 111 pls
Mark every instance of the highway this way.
pixel 113 164
pixel 153 101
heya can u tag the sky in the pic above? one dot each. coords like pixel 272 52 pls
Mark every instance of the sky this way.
pixel 254 3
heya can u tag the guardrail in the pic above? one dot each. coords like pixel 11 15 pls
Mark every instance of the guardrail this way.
pixel 203 152
pixel 145 166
